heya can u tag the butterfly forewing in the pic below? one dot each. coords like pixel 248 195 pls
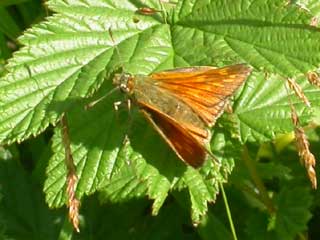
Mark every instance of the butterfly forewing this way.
pixel 204 89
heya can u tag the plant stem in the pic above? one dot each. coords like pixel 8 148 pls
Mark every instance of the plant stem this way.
pixel 257 180
pixel 225 200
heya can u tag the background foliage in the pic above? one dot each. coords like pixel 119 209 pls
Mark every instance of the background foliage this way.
pixel 134 187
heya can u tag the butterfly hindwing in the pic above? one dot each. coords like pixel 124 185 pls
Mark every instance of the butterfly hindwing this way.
pixel 187 147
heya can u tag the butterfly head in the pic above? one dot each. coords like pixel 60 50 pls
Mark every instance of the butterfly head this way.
pixel 124 81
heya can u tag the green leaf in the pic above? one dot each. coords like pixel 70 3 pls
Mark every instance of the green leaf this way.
pixel 263 109
pixel 273 169
pixel 69 56
pixel 4 51
pixel 291 217
pixel 266 34
pixel 31 12
pixel 212 228
pixel 132 220
pixel 8 26
pixel 24 213
pixel 257 227
pixel 4 3
pixel 43 80
pixel 134 178
pixel 200 192
pixel 293 211
pixel 94 151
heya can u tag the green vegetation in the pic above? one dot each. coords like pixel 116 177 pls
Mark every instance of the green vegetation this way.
pixel 58 56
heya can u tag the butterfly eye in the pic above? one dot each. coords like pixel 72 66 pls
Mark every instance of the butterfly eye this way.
pixel 124 88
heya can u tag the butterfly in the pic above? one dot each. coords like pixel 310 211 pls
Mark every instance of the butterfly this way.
pixel 182 104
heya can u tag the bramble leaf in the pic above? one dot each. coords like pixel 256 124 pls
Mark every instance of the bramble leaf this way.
pixel 293 213
pixel 263 109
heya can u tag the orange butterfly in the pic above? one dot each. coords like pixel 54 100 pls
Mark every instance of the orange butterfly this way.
pixel 182 103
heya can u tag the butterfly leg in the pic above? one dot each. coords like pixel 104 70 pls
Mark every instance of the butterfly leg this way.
pixel 126 140
pixel 129 104
pixel 125 143
pixel 130 120
pixel 116 105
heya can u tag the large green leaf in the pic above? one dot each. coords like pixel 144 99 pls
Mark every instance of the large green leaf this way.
pixel 69 55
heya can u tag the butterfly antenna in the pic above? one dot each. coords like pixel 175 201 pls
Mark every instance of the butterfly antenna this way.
pixel 116 47
pixel 121 62
pixel 90 105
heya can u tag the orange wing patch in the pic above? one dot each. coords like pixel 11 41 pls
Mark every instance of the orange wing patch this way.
pixel 204 89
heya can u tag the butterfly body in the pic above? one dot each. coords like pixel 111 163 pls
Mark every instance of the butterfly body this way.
pixel 183 103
